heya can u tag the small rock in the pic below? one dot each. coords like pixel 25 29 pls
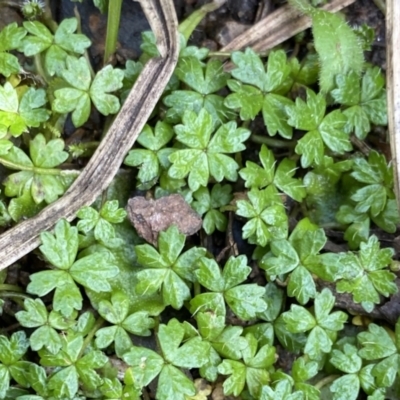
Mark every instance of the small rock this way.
pixel 149 217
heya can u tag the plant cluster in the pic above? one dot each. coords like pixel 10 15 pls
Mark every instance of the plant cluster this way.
pixel 269 144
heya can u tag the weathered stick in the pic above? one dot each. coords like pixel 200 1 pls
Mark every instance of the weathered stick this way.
pixel 393 85
pixel 121 136
pixel 277 27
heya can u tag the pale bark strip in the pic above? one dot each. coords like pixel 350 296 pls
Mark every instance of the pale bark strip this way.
pixel 393 85
pixel 277 27
pixel 107 159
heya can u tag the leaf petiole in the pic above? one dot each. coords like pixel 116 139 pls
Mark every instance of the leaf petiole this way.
pixel 41 171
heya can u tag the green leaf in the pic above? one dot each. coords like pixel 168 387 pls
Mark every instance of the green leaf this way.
pixel 33 176
pixel 328 130
pixel 68 40
pixel 152 159
pixel 366 101
pixel 13 349
pixel 67 297
pixel 332 132
pixel 77 98
pixel 182 100
pixel 385 372
pixel 346 387
pixel 167 270
pixel 363 275
pixel 237 371
pixel 212 304
pixel 339 51
pixel 174 384
pixel 246 300
pixel 301 285
pixel 45 337
pixel 116 310
pixel 376 343
pixel 36 316
pixel 235 271
pixel 347 91
pixel 210 324
pixel 47 155
pixel 145 364
pixel 139 323
pixel 102 222
pixel 65 382
pixel 192 354
pixel 286 183
pixel 267 218
pixel 106 80
pixel 19 113
pixel 11 36
pixel 206 155
pixel 209 275
pixel 318 342
pixel 286 261
pixel 371 197
pixel 256 176
pixel 203 79
pixel 347 360
pixel 4 380
pixel 311 149
pixel 105 336
pixel 40 38
pixel 44 282
pixel 389 218
pixel 86 366
pixel 56 47
pixel 208 203
pixel 308 115
pixel 274 298
pixel 281 391
pixel 230 343
pixel 96 279
pixel 38 379
pixel 61 248
pixel 246 98
pixel 10 39
pixel 250 70
pixel 298 319
pixel 275 115
pixel 303 370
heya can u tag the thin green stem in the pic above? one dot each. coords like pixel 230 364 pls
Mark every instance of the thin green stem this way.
pixel 114 16
pixel 187 27
pixel 47 17
pixel 85 54
pixel 15 295
pixel 40 70
pixel 280 144
pixel 197 288
pixel 98 324
pixel 156 328
pixel 37 170
pixel 325 381
pixel 10 288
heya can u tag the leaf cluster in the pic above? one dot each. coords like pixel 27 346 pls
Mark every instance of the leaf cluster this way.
pixel 266 147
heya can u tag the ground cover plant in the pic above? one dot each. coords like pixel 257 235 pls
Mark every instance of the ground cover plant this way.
pixel 264 301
